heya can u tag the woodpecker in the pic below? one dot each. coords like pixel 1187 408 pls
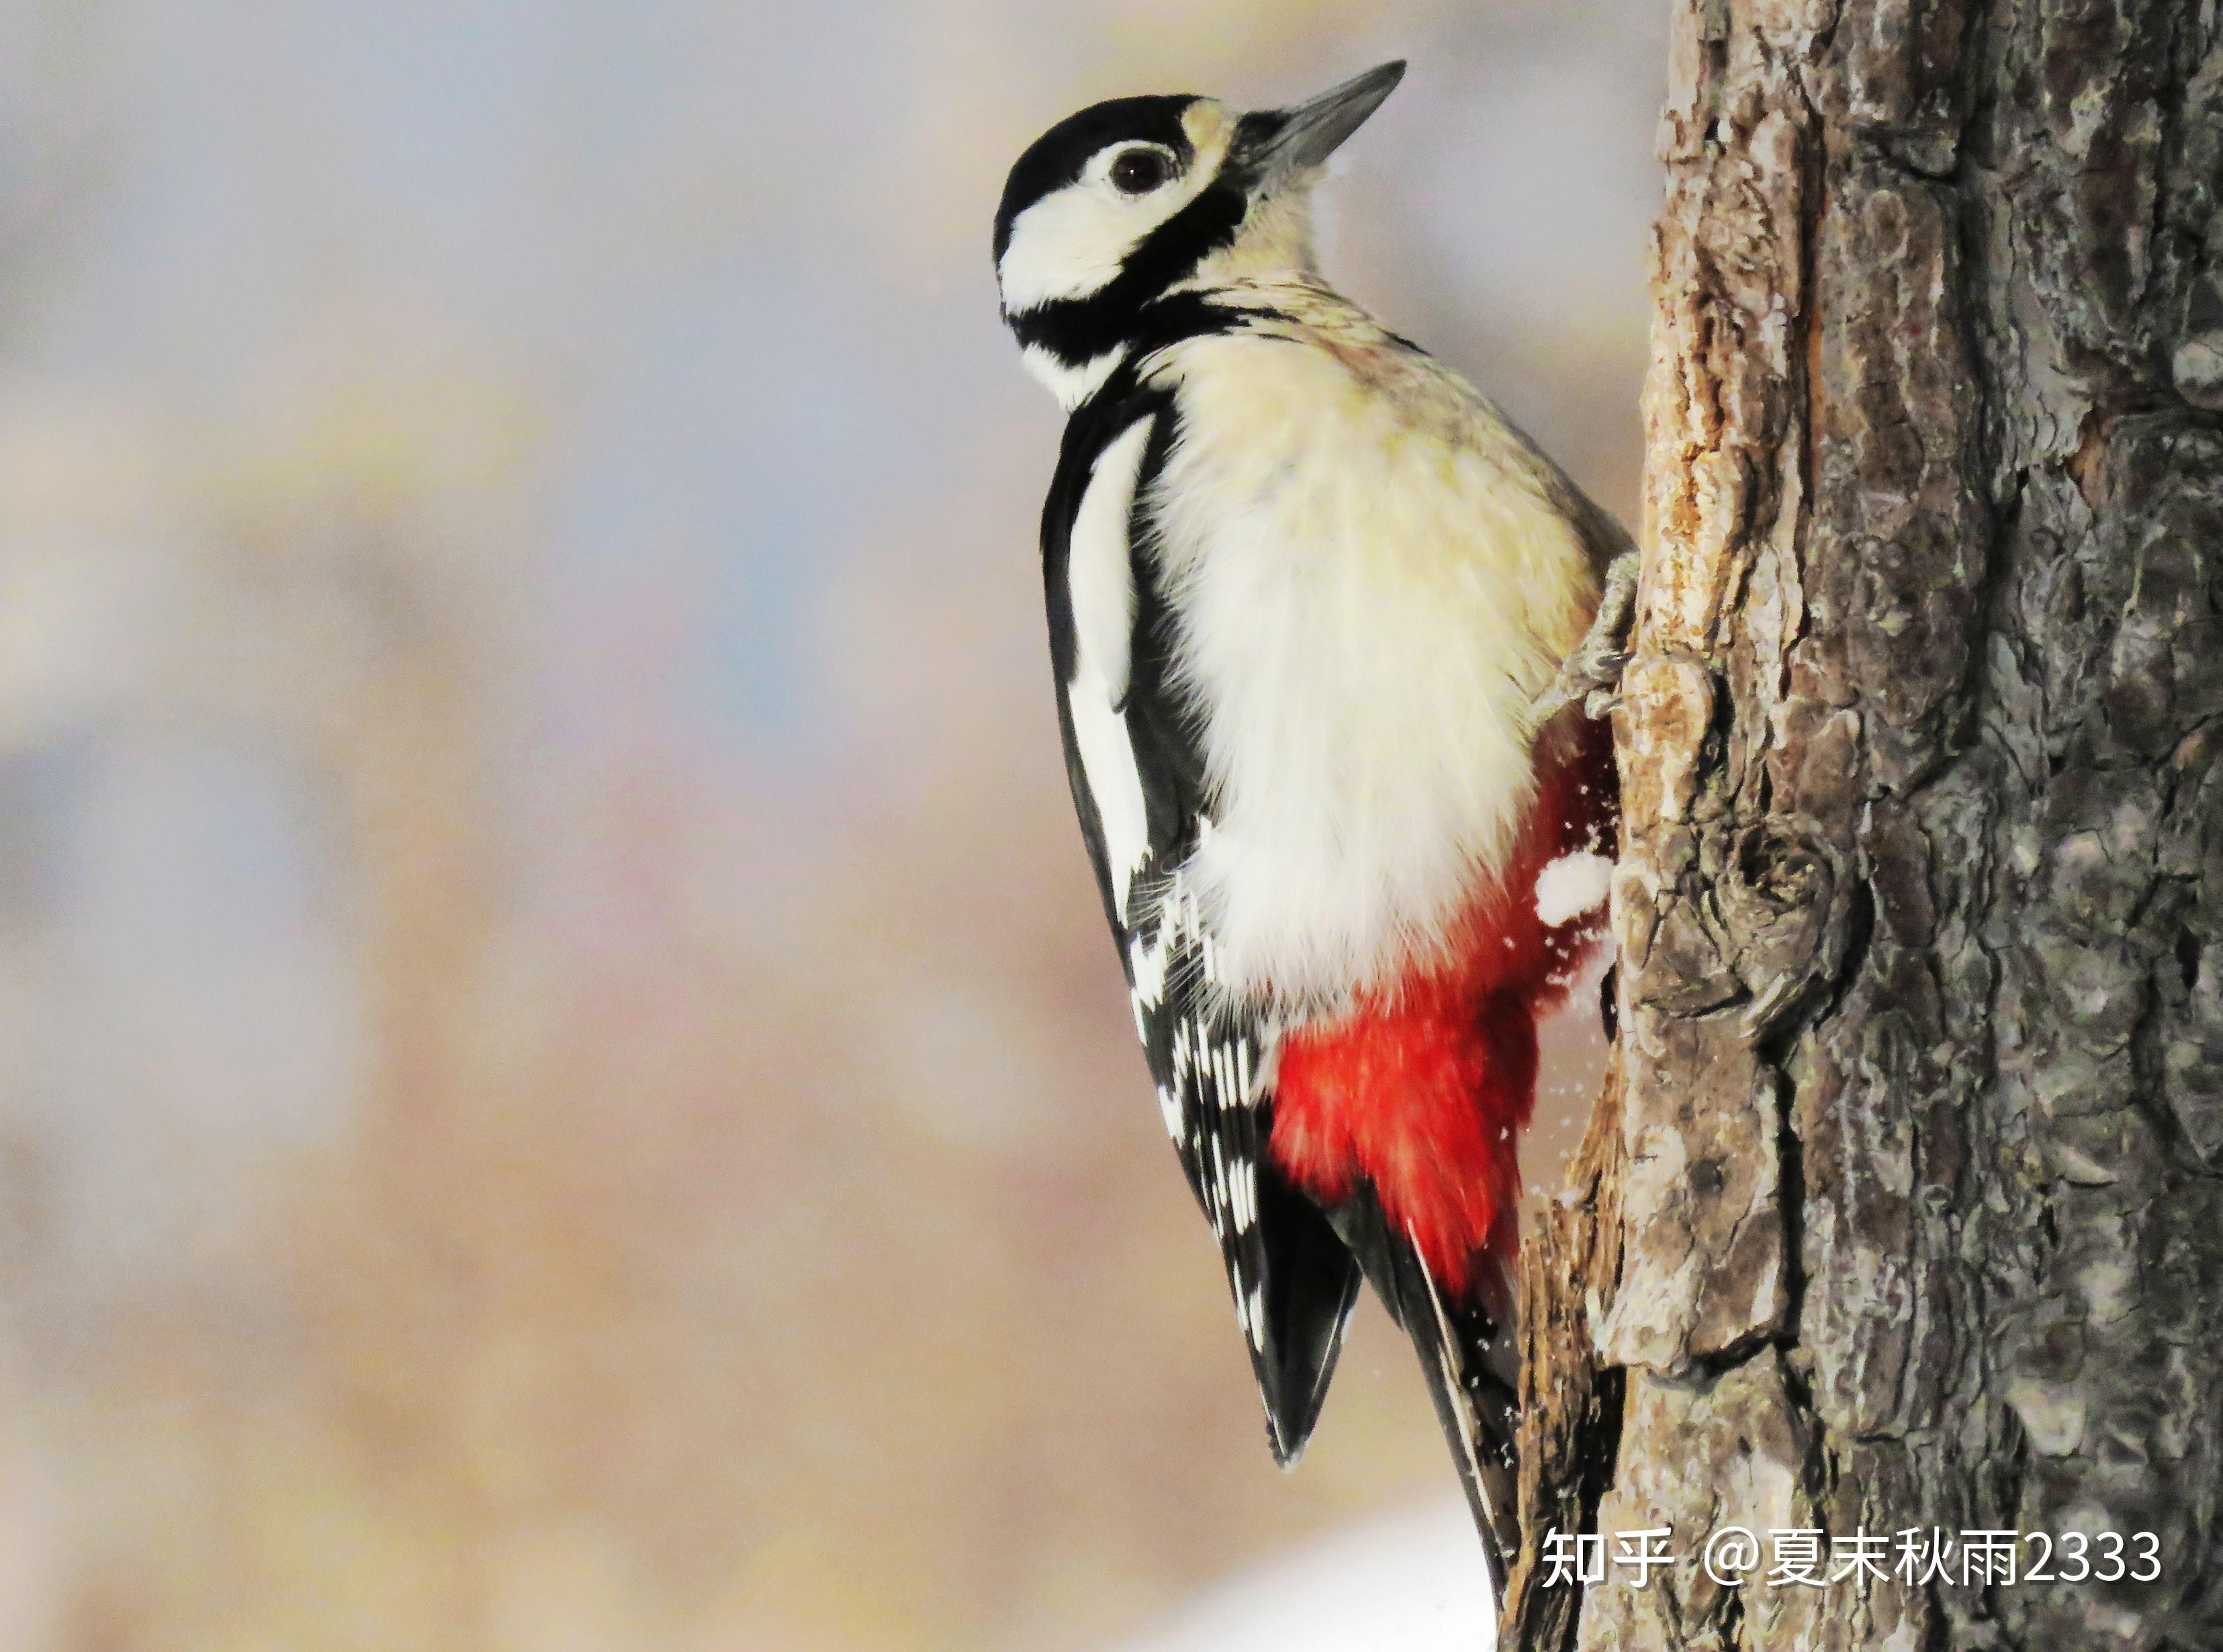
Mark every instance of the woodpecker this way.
pixel 1319 617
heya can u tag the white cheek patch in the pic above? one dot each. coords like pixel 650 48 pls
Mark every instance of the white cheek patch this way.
pixel 1100 592
pixel 1572 886
pixel 1073 242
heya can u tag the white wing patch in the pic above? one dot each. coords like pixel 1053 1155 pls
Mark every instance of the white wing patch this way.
pixel 1212 1061
pixel 1100 593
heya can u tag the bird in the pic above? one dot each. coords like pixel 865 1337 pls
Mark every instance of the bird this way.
pixel 1329 638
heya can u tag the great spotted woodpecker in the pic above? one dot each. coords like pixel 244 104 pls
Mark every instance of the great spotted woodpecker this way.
pixel 1310 597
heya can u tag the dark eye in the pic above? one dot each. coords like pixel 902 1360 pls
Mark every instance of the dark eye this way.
pixel 1140 171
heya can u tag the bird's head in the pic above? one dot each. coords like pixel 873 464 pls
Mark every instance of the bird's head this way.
pixel 1113 207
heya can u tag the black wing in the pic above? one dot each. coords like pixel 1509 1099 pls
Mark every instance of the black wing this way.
pixel 1141 811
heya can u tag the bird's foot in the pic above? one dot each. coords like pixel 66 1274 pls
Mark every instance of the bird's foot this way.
pixel 1592 674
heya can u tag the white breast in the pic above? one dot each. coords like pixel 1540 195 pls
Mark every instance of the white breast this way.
pixel 1372 587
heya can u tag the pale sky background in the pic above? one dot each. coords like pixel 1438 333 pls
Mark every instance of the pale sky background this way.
pixel 559 1084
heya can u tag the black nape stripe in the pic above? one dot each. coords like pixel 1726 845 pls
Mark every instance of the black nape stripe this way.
pixel 1159 324
pixel 1078 331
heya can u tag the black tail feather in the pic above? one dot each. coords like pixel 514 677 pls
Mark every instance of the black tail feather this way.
pixel 1309 1294
pixel 1471 1359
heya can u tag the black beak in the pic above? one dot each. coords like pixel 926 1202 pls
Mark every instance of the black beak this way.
pixel 1282 143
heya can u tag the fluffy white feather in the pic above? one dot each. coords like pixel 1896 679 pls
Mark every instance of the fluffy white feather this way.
pixel 1071 385
pixel 1371 585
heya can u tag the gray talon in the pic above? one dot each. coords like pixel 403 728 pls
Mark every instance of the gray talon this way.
pixel 1593 672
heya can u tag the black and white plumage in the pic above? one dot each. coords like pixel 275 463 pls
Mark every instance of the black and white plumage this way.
pixel 1139 784
pixel 1306 591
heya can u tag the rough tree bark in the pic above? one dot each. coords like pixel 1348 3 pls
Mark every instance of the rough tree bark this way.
pixel 1903 1209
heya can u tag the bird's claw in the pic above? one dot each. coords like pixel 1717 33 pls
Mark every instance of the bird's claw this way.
pixel 1592 674
pixel 1600 703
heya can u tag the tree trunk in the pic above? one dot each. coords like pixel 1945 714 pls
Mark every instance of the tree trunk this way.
pixel 1902 1211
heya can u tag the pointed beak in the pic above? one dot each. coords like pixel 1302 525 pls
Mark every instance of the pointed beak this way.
pixel 1283 143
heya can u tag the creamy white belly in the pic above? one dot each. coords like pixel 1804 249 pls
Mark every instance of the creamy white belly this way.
pixel 1371 588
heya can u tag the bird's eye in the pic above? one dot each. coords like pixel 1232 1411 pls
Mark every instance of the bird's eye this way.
pixel 1140 171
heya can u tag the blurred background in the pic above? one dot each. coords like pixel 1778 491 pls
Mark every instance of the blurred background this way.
pixel 561 1085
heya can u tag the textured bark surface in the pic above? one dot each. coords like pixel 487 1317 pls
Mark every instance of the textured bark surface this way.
pixel 1906 1210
